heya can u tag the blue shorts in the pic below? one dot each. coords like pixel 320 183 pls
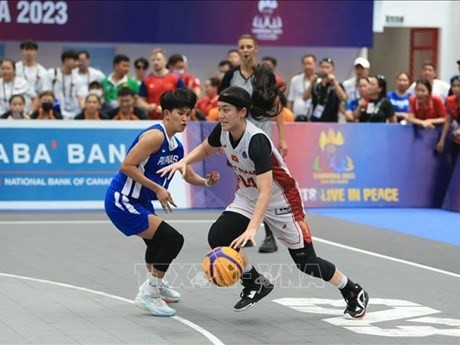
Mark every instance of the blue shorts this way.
pixel 130 216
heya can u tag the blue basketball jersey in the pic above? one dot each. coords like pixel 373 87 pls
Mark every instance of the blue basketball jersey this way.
pixel 171 151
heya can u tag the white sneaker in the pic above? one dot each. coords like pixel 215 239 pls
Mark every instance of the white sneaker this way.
pixel 166 293
pixel 154 305
pixel 169 295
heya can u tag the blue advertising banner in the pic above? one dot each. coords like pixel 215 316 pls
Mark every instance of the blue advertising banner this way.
pixel 63 165
pixel 452 199
pixel 272 22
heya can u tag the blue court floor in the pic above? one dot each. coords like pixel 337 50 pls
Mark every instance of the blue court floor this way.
pixel 433 224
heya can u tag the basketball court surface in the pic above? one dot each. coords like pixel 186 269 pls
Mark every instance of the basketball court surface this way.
pixel 70 278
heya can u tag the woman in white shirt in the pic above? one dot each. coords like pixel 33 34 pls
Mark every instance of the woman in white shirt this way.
pixel 11 85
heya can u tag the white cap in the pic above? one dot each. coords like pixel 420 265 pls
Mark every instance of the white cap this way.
pixel 362 62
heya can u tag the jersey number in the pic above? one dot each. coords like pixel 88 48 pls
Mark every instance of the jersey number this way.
pixel 248 183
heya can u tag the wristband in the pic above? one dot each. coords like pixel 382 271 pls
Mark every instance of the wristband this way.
pixel 206 184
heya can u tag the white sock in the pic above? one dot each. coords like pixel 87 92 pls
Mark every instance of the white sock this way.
pixel 247 268
pixel 152 287
pixel 343 282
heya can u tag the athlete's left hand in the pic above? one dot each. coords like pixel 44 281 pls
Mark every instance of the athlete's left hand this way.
pixel 283 148
pixel 245 237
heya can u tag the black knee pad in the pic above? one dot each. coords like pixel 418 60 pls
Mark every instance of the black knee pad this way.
pixel 308 262
pixel 226 228
pixel 166 245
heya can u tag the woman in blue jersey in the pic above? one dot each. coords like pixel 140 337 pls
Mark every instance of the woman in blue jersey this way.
pixel 128 201
pixel 266 192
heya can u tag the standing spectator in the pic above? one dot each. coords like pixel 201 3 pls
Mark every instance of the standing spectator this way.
pixel 209 101
pixel 358 105
pixel 234 57
pixel 426 109
pixel 271 64
pixel 11 84
pixel 92 110
pixel 118 79
pixel 326 94
pixel 29 69
pixel 300 106
pixel 156 84
pixel 361 66
pixel 378 107
pixel 439 87
pixel 453 114
pixel 67 86
pixel 126 109
pixel 17 109
pixel 177 63
pixel 223 67
pixel 46 109
pixel 87 73
pixel 141 66
pixel 400 97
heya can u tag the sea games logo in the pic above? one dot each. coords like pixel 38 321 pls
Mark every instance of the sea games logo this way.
pixel 333 165
pixel 267 26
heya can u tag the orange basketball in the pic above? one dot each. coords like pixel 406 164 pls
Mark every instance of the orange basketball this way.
pixel 223 266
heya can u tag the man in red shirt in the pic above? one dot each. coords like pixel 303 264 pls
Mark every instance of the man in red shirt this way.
pixel 177 63
pixel 157 83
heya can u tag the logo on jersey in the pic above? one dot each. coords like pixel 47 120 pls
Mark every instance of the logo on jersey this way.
pixel 235 159
pixel 245 155
pixel 333 165
pixel 267 26
pixel 168 159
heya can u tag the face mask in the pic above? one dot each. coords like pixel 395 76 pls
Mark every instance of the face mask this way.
pixel 179 71
pixel 96 92
pixel 47 106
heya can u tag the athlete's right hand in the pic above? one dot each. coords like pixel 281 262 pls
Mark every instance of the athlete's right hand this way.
pixel 171 169
pixel 165 199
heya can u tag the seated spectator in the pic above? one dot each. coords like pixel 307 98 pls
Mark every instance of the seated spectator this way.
pixel 358 104
pixel 17 109
pixel 46 109
pixel 209 101
pixel 400 97
pixel 378 107
pixel 126 109
pixel 425 109
pixel 453 114
pixel 92 110
pixel 95 88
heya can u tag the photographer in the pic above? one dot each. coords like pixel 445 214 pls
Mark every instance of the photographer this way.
pixel 326 93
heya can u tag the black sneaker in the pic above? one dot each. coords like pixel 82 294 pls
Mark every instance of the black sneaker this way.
pixel 252 295
pixel 357 302
pixel 269 245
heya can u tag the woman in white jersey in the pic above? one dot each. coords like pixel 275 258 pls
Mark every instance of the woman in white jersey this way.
pixel 128 201
pixel 266 192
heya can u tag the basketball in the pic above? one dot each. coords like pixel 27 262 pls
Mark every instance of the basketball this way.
pixel 223 266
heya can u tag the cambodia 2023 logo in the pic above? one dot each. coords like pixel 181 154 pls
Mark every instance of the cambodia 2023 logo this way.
pixel 333 165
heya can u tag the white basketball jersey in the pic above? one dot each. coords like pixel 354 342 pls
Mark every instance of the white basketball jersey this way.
pixel 285 191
